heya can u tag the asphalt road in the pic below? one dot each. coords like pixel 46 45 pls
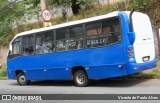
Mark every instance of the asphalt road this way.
pixel 115 86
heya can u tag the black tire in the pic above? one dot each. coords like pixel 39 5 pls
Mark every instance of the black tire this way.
pixel 21 79
pixel 81 78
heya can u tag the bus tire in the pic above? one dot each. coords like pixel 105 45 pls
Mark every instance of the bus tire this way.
pixel 21 79
pixel 80 78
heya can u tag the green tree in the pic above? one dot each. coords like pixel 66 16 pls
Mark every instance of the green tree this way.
pixel 76 5
pixel 86 4
pixel 142 5
pixel 10 12
pixel 3 20
pixel 64 4
pixel 32 8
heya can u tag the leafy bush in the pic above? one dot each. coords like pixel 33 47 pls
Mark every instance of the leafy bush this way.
pixel 3 73
pixel 141 5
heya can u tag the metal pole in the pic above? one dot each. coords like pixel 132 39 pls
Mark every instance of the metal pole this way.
pixel 43 6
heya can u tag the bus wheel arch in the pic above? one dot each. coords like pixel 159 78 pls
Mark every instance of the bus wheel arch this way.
pixel 80 76
pixel 21 78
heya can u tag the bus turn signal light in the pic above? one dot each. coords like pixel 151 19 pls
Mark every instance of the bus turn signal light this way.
pixel 130 49
pixel 130 54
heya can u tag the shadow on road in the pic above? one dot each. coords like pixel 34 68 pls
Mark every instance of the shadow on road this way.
pixel 93 83
pixel 52 83
pixel 117 82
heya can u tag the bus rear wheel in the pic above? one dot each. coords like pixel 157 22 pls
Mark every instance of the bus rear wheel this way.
pixel 80 78
pixel 21 79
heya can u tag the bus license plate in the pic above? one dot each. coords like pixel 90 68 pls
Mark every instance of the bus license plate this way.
pixel 146 58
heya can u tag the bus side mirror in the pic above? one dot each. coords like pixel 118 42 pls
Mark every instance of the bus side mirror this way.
pixel 132 37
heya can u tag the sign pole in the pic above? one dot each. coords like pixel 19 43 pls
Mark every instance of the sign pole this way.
pixel 43 4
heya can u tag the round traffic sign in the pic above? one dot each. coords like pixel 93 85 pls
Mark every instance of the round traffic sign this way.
pixel 46 15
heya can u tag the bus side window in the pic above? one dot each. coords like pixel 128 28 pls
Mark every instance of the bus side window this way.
pixel 16 46
pixel 61 36
pixel 93 30
pixel 28 45
pixel 39 42
pixel 49 42
pixel 112 30
pixel 69 38
pixel 77 34
pixel 45 42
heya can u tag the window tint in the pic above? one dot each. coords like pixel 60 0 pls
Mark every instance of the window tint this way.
pixel 111 26
pixel 63 34
pixel 27 40
pixel 93 29
pixel 40 38
pixel 77 31
pixel 28 45
pixel 69 38
pixel 45 42
pixel 112 30
pixel 16 46
pixel 103 33
pixel 49 36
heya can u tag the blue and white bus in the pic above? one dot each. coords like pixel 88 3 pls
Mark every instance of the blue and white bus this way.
pixel 106 46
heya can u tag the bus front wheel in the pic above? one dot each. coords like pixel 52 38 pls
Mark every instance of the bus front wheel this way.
pixel 21 79
pixel 80 78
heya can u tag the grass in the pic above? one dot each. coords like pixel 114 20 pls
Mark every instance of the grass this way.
pixel 155 74
pixel 3 74
pixel 151 75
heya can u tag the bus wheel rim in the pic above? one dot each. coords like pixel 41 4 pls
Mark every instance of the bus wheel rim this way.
pixel 80 78
pixel 22 79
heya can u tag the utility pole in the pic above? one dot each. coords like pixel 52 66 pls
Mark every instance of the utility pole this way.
pixel 43 5
pixel 46 14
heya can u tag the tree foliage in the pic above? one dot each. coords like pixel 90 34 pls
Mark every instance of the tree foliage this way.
pixel 142 5
pixel 32 3
pixel 86 4
pixel 64 4
pixel 76 5
pixel 32 8
pixel 9 13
